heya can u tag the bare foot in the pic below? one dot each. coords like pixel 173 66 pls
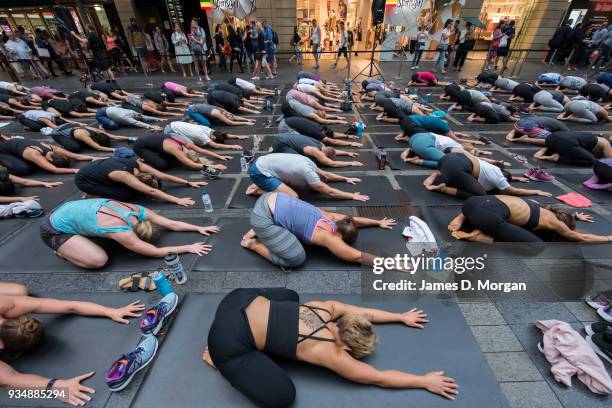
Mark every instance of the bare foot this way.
pixel 465 235
pixel 455 224
pixel 253 190
pixel 207 359
pixel 250 234
pixel 247 242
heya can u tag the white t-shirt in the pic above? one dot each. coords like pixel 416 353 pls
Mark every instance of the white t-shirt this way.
pixel 249 86
pixel 445 33
pixel 443 142
pixel 491 177
pixel 198 134
pixel 309 89
pixel 39 114
pixel 307 81
pixel 315 36
pixel 292 169
pixel 5 85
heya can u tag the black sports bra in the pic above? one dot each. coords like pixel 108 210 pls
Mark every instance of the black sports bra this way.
pixel 311 336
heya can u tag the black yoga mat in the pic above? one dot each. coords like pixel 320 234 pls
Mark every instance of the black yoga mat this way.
pixel 49 198
pixel 42 259
pixel 267 142
pixel 180 366
pixel 228 255
pixel 545 164
pixel 438 219
pixel 9 225
pixel 395 162
pixel 219 190
pixel 76 345
pixel 575 182
pixel 388 140
pixel 377 187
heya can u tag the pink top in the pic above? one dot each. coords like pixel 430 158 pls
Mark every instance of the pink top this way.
pixel 301 97
pixel 44 91
pixel 110 42
pixel 171 85
pixel 426 77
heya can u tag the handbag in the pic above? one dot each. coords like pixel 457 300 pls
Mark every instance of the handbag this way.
pixel 503 42
pixel 43 52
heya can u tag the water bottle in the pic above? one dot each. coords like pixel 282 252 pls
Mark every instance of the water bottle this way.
pixel 244 166
pixel 208 207
pixel 427 98
pixel 176 267
pixel 381 155
pixel 256 142
pixel 359 128
pixel 132 139
pixel 161 283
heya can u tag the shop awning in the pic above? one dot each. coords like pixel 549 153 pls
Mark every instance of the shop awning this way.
pixel 475 22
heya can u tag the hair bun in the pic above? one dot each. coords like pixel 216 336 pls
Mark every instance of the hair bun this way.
pixel 29 325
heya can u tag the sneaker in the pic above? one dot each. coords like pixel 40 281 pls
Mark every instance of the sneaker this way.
pixel 519 158
pixel 153 319
pixel 597 327
pixel 537 174
pixel 211 173
pixel 605 313
pixel 123 370
pixel 597 301
pixel 601 343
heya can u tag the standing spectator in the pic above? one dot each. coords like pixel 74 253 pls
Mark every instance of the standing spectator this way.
pixel 153 63
pixel 559 41
pixel 498 33
pixel 453 42
pixel 113 48
pixel 605 49
pixel 248 47
pixel 466 43
pixel 163 47
pixel 296 42
pixel 421 37
pixel 55 55
pixel 235 43
pixel 270 46
pixel 97 49
pixel 137 37
pixel 595 43
pixel 197 41
pixel 358 35
pixel 260 53
pixel 504 43
pixel 219 42
pixel 579 43
pixel 315 41
pixel 37 65
pixel 183 54
pixel 44 50
pixel 443 45
pixel 19 51
pixel 199 48
pixel 342 45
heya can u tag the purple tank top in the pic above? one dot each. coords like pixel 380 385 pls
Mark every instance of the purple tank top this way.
pixel 298 216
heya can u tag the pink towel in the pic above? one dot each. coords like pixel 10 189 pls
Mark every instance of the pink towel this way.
pixel 569 354
pixel 575 200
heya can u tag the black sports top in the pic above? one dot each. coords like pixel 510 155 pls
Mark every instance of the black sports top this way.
pixel 97 172
pixel 16 147
pixel 311 335
pixel 153 142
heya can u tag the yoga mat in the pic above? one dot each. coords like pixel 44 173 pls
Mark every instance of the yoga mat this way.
pixel 41 258
pixel 438 218
pixel 227 255
pixel 9 225
pixel 49 198
pixel 395 162
pixel 267 142
pixel 219 191
pixel 377 187
pixel 545 164
pixel 388 141
pixel 179 363
pixel 38 173
pixel 76 345
pixel 575 181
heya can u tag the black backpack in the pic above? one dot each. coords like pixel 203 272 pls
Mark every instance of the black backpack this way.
pixel 274 38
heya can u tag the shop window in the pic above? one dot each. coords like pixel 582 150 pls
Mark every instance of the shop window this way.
pixel 495 10
pixel 102 17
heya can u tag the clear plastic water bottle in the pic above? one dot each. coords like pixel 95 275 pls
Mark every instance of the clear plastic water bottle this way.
pixel 244 166
pixel 208 207
pixel 256 142
pixel 173 262
pixel 161 283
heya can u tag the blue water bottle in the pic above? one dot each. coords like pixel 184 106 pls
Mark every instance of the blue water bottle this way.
pixel 359 128
pixel 161 283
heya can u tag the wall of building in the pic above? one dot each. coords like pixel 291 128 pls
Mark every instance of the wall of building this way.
pixel 543 21
pixel 125 10
pixel 281 14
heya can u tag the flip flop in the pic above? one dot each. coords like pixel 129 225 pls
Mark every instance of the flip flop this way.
pixel 138 281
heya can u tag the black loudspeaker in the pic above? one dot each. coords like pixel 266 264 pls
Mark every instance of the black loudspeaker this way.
pixel 378 11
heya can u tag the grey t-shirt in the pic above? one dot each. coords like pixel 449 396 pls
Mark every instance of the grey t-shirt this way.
pixel 292 169
pixel 203 108
pixel 550 124
pixel 403 105
pixel 293 143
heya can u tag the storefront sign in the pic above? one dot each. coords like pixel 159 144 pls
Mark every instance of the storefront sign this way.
pixel 600 5
pixel 237 8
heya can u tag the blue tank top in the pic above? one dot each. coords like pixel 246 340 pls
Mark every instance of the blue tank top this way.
pixel 80 217
pixel 298 216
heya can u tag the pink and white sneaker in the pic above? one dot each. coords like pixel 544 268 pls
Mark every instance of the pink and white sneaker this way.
pixel 537 174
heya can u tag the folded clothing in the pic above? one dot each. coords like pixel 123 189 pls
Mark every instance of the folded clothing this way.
pixel 575 200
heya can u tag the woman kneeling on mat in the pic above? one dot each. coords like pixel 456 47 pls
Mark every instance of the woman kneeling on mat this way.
pixel 125 179
pixel 584 111
pixel 575 148
pixel 497 82
pixel 311 101
pixel 181 90
pixel 68 229
pixel 145 106
pixel 489 112
pixel 250 323
pixel 396 109
pixel 112 118
pixel 281 223
pixel 534 129
pixel 74 138
pixel 602 176
pixel 503 218
pixel 68 107
pixel 20 333
pixel 250 88
pixel 14 88
pixel 551 79
pixel 424 78
pixel 205 114
pixel 7 186
pixel 548 101
pixel 463 175
pixel 291 108
pixel 434 125
pixel 34 120
pixel 231 102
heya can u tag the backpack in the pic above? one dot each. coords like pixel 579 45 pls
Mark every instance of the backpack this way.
pixel 274 38
pixel 346 105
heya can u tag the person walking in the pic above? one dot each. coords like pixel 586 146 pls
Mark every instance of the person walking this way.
pixel 270 46
pixel 163 47
pixel 420 41
pixel 342 46
pixel 466 43
pixel 44 50
pixel 315 41
pixel 443 45
pixel 181 50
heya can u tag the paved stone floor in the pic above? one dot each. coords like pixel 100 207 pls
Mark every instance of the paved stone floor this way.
pixel 504 329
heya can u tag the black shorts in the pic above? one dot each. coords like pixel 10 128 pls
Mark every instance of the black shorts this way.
pixel 52 237
pixel 503 52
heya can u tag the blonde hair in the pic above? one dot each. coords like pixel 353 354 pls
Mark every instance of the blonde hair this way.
pixel 21 334
pixel 145 231
pixel 357 332
pixel 148 179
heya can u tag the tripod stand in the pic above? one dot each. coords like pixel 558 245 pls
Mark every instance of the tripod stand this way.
pixel 372 65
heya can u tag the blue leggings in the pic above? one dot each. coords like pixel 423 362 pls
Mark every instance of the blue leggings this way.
pixel 424 145
pixel 106 122
pixel 198 117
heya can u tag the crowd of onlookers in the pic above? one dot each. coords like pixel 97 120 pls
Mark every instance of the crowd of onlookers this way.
pixel 581 45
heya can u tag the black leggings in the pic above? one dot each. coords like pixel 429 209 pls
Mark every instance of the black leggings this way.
pixel 15 165
pixel 232 349
pixel 117 191
pixel 67 142
pixel 30 124
pixel 490 215
pixel 160 161
pixel 456 171
pixel 603 172
pixel 574 148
